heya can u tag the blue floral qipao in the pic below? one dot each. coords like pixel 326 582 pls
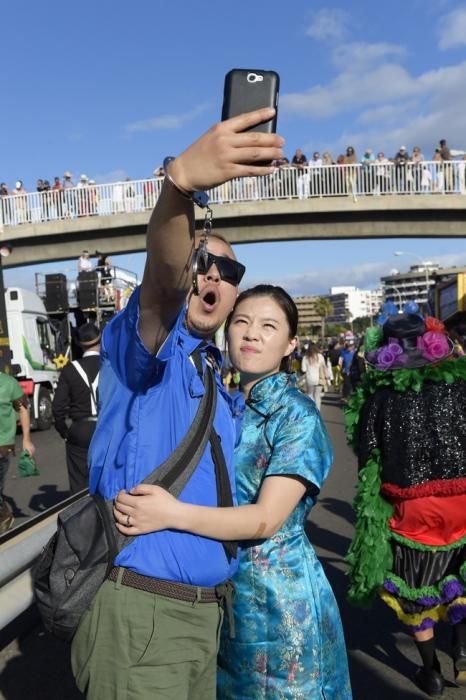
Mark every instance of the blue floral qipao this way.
pixel 289 641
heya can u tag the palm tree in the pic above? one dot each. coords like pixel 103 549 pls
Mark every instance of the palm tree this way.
pixel 323 307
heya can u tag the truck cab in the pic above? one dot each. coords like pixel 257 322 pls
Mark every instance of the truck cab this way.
pixel 33 347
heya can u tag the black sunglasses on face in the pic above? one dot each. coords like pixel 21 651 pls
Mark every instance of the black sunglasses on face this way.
pixel 229 270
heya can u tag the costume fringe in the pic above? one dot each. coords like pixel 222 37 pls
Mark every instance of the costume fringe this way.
pixel 407 542
pixel 439 591
pixel 416 620
pixel 370 554
pixel 436 487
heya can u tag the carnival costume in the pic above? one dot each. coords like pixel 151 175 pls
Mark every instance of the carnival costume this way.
pixel 407 423
pixel 288 640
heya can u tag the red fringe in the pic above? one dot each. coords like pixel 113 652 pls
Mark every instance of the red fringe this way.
pixel 438 487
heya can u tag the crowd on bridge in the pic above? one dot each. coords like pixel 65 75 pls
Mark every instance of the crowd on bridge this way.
pixel 302 177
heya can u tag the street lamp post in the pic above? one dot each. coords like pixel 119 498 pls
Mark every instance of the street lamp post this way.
pixel 426 271
pixel 400 297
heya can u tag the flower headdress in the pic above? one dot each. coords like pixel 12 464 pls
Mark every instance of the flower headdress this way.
pixel 406 340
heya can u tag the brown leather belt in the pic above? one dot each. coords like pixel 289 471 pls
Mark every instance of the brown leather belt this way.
pixel 169 589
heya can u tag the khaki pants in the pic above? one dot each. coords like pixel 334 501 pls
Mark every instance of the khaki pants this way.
pixel 133 645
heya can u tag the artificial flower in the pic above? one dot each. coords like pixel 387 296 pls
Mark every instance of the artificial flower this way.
pixel 373 338
pixel 433 345
pixel 433 324
pixel 388 355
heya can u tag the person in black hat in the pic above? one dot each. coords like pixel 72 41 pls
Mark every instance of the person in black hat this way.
pixel 76 398
pixel 407 424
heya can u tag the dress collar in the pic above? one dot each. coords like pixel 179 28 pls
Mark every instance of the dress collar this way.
pixel 267 393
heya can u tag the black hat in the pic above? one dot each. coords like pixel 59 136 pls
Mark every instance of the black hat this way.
pixel 88 335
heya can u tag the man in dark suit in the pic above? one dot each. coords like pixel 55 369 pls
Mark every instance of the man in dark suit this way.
pixel 76 399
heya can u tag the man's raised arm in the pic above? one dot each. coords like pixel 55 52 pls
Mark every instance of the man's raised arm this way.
pixel 225 151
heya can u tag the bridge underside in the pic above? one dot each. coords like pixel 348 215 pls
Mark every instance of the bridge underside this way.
pixel 391 216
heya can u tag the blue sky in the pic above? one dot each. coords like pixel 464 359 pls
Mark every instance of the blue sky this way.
pixel 110 88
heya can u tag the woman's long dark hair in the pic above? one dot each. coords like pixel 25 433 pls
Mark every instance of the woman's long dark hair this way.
pixel 284 301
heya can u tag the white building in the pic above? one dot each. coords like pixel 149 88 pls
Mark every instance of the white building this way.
pixel 350 303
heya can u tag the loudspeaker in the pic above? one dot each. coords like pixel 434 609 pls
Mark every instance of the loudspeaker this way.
pixel 56 293
pixel 88 289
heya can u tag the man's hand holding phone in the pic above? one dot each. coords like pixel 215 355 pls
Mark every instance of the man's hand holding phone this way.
pixel 228 150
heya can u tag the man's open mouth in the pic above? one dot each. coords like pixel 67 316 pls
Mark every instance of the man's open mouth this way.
pixel 209 299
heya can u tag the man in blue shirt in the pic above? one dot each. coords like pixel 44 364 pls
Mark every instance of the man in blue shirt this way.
pixel 152 630
pixel 346 358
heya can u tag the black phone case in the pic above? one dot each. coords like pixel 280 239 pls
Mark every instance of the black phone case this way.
pixel 249 89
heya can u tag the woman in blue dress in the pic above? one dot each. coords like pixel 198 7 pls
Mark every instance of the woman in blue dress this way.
pixel 287 640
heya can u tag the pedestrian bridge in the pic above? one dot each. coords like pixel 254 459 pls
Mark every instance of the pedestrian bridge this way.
pixel 327 202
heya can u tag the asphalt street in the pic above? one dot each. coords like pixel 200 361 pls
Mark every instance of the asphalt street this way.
pixel 382 657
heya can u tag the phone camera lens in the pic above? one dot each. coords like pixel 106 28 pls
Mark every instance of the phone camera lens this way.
pixel 254 78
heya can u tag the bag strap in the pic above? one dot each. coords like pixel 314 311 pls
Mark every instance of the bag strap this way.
pixel 175 472
pixel 222 479
pixel 92 386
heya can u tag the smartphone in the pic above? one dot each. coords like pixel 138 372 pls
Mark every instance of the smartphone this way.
pixel 249 89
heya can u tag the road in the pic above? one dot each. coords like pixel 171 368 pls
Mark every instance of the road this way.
pixel 382 657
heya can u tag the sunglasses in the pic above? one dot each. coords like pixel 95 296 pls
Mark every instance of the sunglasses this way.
pixel 230 271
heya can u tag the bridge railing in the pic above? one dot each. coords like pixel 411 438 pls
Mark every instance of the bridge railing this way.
pixel 381 179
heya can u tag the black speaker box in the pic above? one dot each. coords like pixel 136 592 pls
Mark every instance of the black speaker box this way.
pixel 56 293
pixel 88 289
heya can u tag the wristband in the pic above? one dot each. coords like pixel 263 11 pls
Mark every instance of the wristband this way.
pixel 198 197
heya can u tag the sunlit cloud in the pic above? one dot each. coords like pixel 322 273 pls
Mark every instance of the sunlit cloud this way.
pixel 118 175
pixel 452 29
pixel 166 121
pixel 364 275
pixel 328 24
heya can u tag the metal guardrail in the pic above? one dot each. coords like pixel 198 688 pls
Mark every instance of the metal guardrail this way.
pixel 19 549
pixel 287 182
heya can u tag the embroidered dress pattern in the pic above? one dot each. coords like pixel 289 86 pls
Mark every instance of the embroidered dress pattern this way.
pixel 289 641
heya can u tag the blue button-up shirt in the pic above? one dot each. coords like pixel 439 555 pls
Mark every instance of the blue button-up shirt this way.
pixel 147 403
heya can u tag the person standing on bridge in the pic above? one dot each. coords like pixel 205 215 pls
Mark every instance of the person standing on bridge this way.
pixel 12 401
pixel 407 424
pixel 76 398
pixel 154 625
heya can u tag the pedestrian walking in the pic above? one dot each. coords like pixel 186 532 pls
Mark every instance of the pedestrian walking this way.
pixel 76 399
pixel 13 402
pixel 284 639
pixel 346 358
pixel 407 424
pixel 315 370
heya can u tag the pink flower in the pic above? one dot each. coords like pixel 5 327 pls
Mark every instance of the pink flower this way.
pixel 388 355
pixel 434 346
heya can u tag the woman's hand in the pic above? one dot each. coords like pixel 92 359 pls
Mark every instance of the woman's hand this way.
pixel 146 508
pixel 228 150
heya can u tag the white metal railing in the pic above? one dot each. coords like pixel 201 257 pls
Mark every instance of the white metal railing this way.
pixel 380 179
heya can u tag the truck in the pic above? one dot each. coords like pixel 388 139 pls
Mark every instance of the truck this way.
pixel 34 345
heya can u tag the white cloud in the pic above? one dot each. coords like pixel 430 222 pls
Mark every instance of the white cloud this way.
pixel 356 55
pixel 387 113
pixel 363 275
pixel 315 282
pixel 350 90
pixel 166 121
pixel 389 103
pixel 328 24
pixel 118 175
pixel 452 30
pixel 437 113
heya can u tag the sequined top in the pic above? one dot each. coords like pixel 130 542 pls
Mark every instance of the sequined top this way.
pixel 422 435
